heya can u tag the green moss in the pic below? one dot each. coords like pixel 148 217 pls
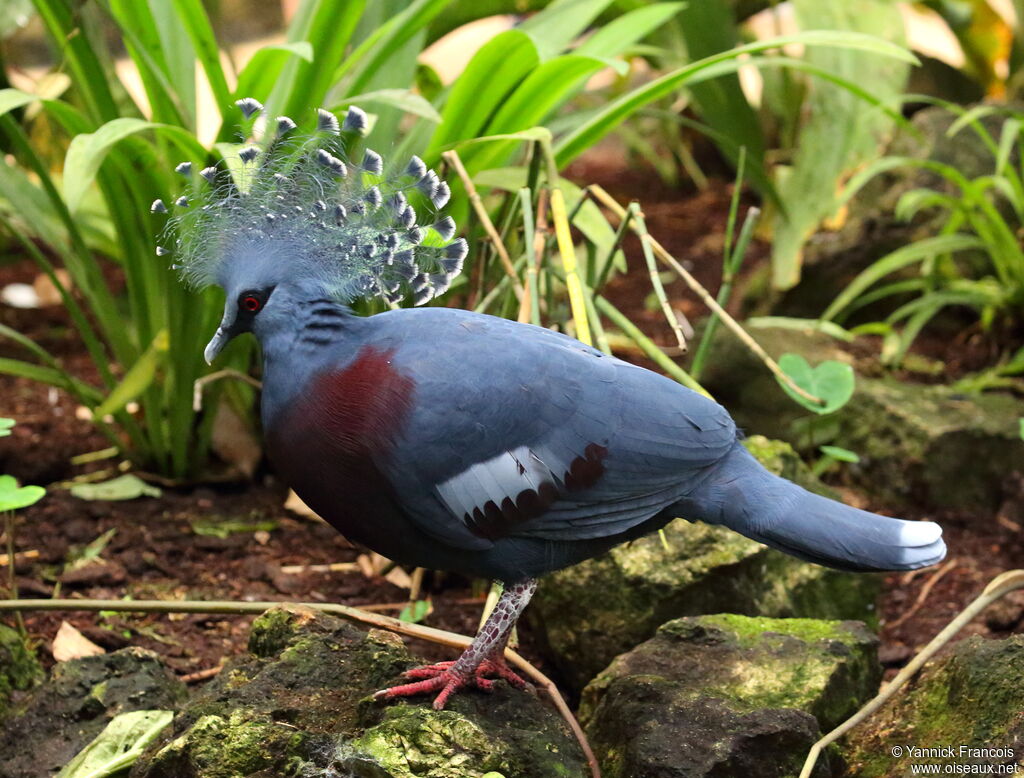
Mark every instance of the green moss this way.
pixel 433 744
pixel 972 697
pixel 19 668
pixel 751 631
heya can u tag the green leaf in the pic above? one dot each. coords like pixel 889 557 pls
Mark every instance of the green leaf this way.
pixel 612 39
pixel 125 487
pixel 264 69
pixel 554 28
pixel 900 258
pixel 617 111
pixel 803 325
pixel 403 99
pixel 5 427
pixel 415 612
pixel 840 454
pixel 1022 428
pixel 117 747
pixel 491 74
pixel 831 381
pixel 13 497
pixel 138 378
pixel 839 134
pixel 87 151
pixel 222 528
pixel 12 99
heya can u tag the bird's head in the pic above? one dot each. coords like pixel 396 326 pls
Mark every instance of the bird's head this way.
pixel 293 218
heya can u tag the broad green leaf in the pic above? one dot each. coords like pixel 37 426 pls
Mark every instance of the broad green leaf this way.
pixel 709 28
pixel 138 378
pixel 840 454
pixel 87 152
pixel 369 60
pixel 12 99
pixel 415 612
pixel 554 28
pixel 489 77
pixel 403 99
pixel 13 497
pixel 5 427
pixel 193 17
pixel 838 134
pixel 117 747
pixel 261 72
pixel 327 25
pixel 831 381
pixel 900 258
pixel 47 375
pixel 617 111
pixel 618 35
pixel 548 87
pixel 124 487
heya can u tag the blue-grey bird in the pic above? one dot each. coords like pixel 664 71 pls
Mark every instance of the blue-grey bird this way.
pixel 447 439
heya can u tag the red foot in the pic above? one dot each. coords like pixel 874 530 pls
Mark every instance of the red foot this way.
pixel 445 679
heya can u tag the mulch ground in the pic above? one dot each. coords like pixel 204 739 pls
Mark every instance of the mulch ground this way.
pixel 156 552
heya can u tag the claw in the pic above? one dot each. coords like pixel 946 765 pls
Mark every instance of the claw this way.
pixel 446 680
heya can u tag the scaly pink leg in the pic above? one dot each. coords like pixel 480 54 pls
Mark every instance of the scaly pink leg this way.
pixel 479 664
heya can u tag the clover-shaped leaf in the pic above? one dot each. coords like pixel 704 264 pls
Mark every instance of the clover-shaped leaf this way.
pixel 13 497
pixel 5 427
pixel 831 381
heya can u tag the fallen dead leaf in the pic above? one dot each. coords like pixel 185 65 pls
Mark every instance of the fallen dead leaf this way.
pixel 72 644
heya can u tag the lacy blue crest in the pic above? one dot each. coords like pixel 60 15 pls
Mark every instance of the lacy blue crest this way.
pixel 351 226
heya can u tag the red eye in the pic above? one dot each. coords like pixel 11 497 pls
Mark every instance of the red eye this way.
pixel 251 304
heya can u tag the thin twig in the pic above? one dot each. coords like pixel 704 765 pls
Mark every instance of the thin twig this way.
pixel 925 591
pixel 609 202
pixel 999 587
pixel 455 161
pixel 200 384
pixel 333 567
pixel 431 634
pixel 19 556
pixel 201 675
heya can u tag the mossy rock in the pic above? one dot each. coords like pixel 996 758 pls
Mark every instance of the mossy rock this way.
pixel 726 695
pixel 78 701
pixel 19 668
pixel 973 698
pixel 299 704
pixel 917 444
pixel 589 613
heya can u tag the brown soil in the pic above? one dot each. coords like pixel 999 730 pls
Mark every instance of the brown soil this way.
pixel 156 553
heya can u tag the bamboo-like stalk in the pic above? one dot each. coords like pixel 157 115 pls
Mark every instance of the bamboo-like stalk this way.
pixel 453 159
pixel 652 270
pixel 567 252
pixel 431 634
pixel 648 346
pixel 998 588
pixel 609 202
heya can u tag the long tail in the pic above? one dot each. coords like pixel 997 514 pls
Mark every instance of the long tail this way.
pixel 742 495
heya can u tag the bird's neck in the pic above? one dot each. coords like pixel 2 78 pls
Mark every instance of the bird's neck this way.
pixel 319 330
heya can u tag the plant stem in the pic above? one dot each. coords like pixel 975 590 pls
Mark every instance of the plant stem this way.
pixel 11 579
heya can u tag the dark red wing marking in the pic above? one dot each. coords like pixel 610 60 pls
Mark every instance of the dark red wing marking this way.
pixel 494 521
